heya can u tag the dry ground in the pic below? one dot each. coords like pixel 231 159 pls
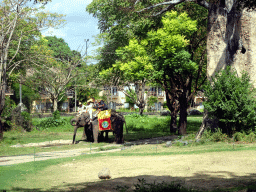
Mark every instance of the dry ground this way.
pixel 204 171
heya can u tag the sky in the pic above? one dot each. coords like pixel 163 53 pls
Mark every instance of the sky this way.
pixel 80 25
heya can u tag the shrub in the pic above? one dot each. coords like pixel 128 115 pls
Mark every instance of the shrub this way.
pixel 7 113
pixel 230 100
pixel 195 112
pixel 151 102
pixel 142 186
pixel 216 136
pixel 56 114
pixel 242 136
pixel 54 121
pixel 26 122
pixel 238 136
pixel 251 137
pixel 165 113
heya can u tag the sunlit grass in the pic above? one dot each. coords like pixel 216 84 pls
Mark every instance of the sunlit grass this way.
pixel 139 128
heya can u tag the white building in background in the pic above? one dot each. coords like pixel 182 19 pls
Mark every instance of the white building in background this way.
pixel 117 98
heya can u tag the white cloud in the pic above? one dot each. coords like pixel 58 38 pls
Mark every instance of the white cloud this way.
pixel 80 24
pixel 55 32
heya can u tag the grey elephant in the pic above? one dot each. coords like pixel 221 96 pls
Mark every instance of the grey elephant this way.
pixel 91 130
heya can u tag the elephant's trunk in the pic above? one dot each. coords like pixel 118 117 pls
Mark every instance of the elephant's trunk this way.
pixel 73 122
pixel 74 135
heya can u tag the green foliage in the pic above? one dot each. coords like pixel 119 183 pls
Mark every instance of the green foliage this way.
pixel 133 97
pixel 230 99
pixel 60 49
pixel 51 122
pixel 242 136
pixel 28 95
pixel 169 46
pixel 165 105
pixel 216 136
pixel 56 114
pixel 54 121
pixel 7 113
pixel 85 94
pixel 152 100
pixel 26 121
pixel 143 186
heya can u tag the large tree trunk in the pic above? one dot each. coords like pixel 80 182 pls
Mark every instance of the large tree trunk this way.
pixel 55 104
pixel 183 114
pixel 173 124
pixel 3 86
pixel 231 34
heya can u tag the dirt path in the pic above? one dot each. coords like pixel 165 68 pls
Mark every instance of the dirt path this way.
pixel 10 160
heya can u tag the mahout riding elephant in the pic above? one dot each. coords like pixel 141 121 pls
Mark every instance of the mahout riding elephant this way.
pixel 91 130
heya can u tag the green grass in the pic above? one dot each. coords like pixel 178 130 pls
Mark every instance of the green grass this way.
pixel 18 173
pixel 139 128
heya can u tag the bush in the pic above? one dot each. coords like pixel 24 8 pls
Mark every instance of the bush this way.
pixel 165 113
pixel 56 114
pixel 7 113
pixel 26 122
pixel 216 136
pixel 242 136
pixel 230 100
pixel 51 122
pixel 195 112
pixel 142 186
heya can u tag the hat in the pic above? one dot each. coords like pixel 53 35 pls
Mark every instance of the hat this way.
pixel 90 101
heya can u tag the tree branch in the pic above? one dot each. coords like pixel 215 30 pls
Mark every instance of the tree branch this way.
pixel 172 3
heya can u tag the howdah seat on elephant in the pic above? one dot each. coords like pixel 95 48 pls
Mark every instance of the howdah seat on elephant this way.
pixel 91 130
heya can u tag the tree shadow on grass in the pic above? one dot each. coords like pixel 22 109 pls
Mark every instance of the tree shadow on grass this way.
pixel 202 181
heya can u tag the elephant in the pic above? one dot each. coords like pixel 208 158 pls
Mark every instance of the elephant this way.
pixel 82 120
pixel 91 130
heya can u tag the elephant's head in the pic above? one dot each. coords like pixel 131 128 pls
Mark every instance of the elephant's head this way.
pixel 81 120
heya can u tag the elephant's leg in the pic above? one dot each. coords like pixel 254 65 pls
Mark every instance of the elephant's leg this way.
pixel 95 127
pixel 106 137
pixel 84 133
pixel 118 129
pixel 74 135
pixel 101 136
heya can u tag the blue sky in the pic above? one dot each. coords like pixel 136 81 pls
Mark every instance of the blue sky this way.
pixel 80 25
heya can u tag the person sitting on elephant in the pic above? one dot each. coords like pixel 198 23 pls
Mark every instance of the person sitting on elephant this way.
pixel 102 106
pixel 90 108
pixel 81 108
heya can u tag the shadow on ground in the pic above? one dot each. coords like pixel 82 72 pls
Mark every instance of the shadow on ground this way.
pixel 203 181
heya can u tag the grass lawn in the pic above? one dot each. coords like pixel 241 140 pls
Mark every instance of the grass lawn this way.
pixel 139 128
pixel 26 174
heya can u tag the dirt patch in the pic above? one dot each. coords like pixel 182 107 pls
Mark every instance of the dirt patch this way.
pixel 206 171
pixel 45 144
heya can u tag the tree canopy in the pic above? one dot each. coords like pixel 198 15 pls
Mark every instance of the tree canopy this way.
pixel 60 49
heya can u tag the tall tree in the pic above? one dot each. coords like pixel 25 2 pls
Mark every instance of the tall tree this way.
pixel 133 69
pixel 230 35
pixel 60 49
pixel 19 18
pixel 52 76
pixel 137 25
pixel 164 58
